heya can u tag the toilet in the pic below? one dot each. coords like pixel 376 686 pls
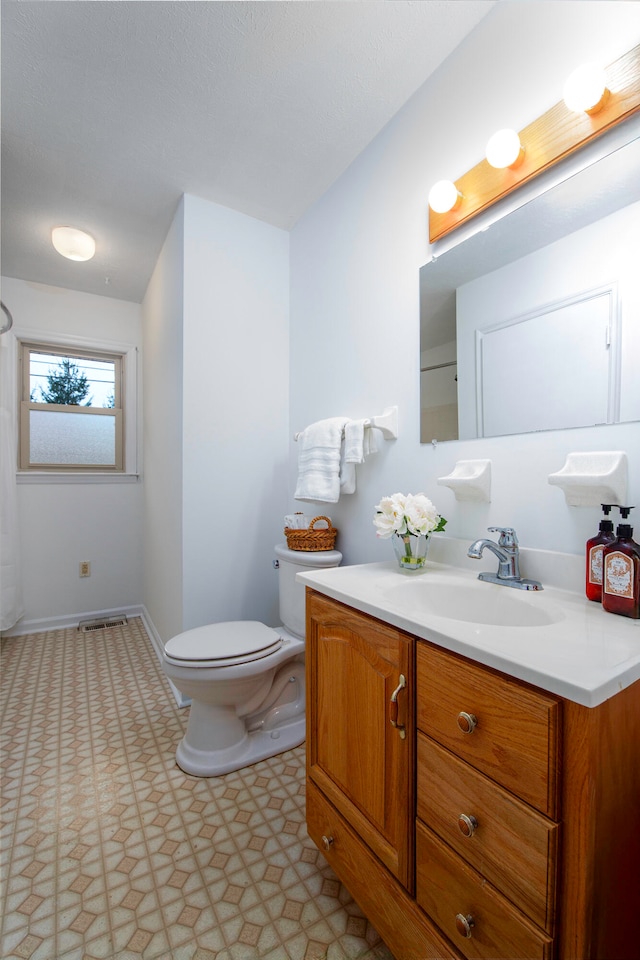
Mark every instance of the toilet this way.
pixel 246 680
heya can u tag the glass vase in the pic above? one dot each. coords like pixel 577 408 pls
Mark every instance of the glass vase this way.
pixel 411 550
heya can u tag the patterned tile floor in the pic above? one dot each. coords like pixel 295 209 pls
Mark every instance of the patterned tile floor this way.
pixel 109 850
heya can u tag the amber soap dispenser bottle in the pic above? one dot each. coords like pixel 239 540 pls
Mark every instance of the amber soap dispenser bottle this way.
pixel 595 548
pixel 621 571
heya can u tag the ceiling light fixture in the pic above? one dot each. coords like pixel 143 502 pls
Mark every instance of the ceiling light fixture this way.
pixel 504 149
pixel 444 196
pixel 72 243
pixel 586 89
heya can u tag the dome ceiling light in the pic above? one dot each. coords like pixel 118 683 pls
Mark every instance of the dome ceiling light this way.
pixel 72 243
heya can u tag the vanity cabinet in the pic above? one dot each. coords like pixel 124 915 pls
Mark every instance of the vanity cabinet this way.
pixel 494 820
pixel 361 768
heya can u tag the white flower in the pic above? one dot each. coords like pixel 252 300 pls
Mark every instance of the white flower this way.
pixel 412 514
pixel 389 518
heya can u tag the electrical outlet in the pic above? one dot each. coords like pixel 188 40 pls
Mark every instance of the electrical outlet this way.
pixel 85 568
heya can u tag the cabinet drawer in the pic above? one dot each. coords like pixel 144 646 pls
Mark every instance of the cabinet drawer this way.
pixel 511 844
pixel 395 915
pixel 515 740
pixel 450 890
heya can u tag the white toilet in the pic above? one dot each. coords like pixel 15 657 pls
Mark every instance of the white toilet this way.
pixel 246 680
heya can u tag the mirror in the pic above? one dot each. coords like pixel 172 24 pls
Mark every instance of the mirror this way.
pixel 534 323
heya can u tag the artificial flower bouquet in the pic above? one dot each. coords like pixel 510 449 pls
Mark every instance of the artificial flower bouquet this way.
pixel 406 516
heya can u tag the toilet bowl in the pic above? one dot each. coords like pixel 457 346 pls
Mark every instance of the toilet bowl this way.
pixel 245 679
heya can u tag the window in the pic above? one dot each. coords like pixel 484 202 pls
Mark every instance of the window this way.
pixel 72 408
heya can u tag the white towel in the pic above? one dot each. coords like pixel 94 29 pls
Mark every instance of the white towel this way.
pixel 359 441
pixel 319 460
pixel 347 476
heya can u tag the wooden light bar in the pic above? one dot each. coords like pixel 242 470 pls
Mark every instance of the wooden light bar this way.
pixel 554 135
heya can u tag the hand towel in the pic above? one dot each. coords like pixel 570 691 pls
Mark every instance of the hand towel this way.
pixel 347 476
pixel 319 460
pixel 359 441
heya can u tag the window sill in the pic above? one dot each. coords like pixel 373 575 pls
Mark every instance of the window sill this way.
pixel 74 476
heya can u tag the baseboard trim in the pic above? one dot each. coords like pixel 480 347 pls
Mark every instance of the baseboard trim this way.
pixel 158 646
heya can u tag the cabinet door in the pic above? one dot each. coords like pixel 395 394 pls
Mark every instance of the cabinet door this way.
pixel 360 761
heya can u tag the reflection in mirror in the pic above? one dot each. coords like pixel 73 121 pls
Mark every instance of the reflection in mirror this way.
pixel 534 324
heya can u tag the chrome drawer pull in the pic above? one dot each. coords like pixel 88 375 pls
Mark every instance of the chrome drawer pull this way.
pixel 467 722
pixel 327 842
pixel 464 925
pixel 467 825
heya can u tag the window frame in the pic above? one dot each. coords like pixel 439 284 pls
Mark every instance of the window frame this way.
pixel 124 411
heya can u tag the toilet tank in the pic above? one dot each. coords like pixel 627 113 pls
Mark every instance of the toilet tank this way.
pixel 292 594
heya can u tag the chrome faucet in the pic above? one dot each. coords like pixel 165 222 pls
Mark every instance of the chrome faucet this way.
pixel 508 554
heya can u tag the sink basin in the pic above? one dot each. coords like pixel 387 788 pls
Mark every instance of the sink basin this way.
pixel 472 602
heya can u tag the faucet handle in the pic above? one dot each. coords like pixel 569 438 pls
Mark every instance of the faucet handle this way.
pixel 508 536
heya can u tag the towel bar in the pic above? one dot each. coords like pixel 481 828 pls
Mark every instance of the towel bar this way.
pixel 386 423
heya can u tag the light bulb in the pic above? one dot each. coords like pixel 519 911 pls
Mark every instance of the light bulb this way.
pixel 444 196
pixel 504 149
pixel 586 89
pixel 72 243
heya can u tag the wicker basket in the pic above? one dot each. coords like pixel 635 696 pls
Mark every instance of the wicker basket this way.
pixel 311 539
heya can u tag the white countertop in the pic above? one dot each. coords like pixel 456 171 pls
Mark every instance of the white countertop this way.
pixel 586 655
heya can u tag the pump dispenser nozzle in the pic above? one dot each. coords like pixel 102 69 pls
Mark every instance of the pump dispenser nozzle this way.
pixel 624 529
pixel 606 525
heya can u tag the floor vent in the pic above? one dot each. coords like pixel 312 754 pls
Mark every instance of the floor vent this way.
pixel 87 626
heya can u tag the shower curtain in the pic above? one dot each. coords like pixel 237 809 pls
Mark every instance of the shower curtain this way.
pixel 11 608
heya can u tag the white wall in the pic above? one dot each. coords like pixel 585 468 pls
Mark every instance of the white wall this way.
pixel 162 311
pixel 355 258
pixel 216 330
pixel 235 429
pixel 61 524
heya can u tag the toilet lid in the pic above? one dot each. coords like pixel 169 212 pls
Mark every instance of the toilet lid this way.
pixel 224 644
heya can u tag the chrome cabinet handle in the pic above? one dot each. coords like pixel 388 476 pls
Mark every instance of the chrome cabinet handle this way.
pixel 467 825
pixel 467 722
pixel 464 924
pixel 393 707
pixel 327 842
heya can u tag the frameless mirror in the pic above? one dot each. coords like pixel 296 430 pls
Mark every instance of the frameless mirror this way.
pixel 534 323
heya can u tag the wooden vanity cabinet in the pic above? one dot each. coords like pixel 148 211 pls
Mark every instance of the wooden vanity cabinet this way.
pixel 362 764
pixel 361 769
pixel 500 827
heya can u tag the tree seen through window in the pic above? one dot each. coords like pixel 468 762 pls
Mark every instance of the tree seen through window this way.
pixel 75 381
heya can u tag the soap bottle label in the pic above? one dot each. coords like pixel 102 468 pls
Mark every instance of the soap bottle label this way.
pixel 618 575
pixel 595 563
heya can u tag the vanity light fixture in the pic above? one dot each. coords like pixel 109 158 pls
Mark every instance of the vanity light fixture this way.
pixel 504 149
pixel 586 89
pixel 72 243
pixel 549 139
pixel 444 196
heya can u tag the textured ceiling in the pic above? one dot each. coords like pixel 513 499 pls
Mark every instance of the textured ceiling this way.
pixel 112 110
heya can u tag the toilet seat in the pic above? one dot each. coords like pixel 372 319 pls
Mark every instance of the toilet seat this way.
pixel 239 641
